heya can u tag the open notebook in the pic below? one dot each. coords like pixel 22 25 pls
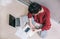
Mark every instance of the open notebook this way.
pixel 25 32
pixel 28 30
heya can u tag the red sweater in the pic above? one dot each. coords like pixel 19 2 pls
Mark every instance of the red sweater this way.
pixel 42 18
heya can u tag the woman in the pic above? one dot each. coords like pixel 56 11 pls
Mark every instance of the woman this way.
pixel 39 18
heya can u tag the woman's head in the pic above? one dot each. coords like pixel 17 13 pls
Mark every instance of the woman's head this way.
pixel 34 8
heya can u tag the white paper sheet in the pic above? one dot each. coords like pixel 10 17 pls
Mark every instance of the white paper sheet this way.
pixel 20 33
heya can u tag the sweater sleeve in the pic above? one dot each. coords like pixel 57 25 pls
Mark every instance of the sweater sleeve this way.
pixel 47 24
pixel 29 15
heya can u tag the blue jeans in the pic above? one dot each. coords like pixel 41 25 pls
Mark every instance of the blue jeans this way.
pixel 42 34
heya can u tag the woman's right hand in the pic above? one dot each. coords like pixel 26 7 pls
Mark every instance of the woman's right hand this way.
pixel 32 27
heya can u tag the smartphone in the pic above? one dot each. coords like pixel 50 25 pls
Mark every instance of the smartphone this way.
pixel 27 29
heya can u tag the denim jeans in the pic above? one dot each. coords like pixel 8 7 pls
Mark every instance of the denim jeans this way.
pixel 42 34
